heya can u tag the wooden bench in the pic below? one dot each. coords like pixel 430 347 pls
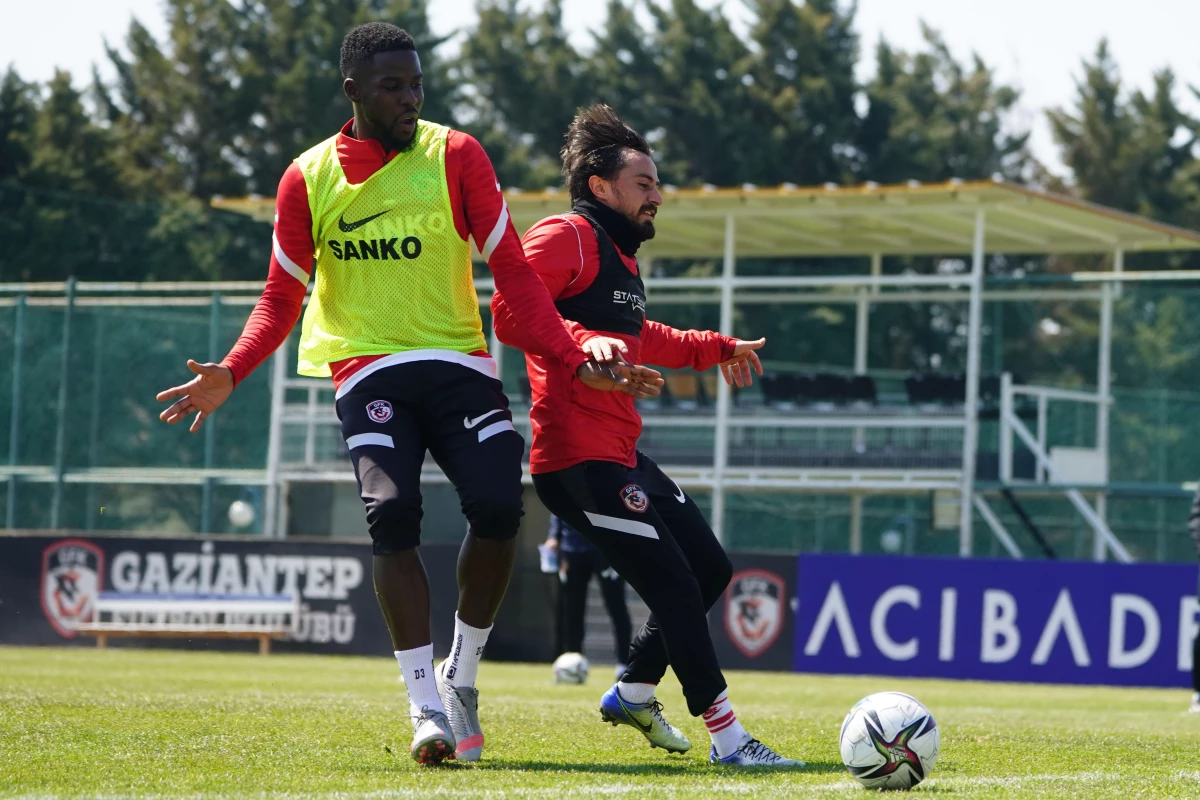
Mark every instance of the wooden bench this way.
pixel 219 616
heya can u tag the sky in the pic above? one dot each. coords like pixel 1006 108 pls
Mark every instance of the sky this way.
pixel 1035 45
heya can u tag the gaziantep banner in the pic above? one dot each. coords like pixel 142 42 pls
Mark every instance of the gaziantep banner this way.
pixel 1035 621
pixel 49 585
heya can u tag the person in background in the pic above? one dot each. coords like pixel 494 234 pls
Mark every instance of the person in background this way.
pixel 578 561
pixel 1194 529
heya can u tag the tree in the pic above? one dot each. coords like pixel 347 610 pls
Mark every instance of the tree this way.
pixel 18 110
pixel 706 111
pixel 930 118
pixel 525 80
pixel 802 86
pixel 69 152
pixel 293 85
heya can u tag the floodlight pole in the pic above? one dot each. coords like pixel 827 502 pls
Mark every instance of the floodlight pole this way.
pixel 971 403
pixel 862 315
pixel 274 444
pixel 1104 388
pixel 724 395
pixel 210 431
pixel 60 435
pixel 14 428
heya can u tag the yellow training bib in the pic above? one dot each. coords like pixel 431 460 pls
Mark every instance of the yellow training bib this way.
pixel 392 272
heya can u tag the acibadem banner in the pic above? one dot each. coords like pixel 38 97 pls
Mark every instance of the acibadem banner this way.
pixel 1036 621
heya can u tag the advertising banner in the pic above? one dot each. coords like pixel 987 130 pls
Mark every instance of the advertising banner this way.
pixel 48 585
pixel 1035 621
pixel 752 624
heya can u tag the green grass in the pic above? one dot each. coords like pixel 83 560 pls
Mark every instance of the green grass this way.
pixel 166 724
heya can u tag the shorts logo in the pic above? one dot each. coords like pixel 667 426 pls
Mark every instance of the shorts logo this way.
pixel 754 604
pixel 72 573
pixel 379 410
pixel 635 499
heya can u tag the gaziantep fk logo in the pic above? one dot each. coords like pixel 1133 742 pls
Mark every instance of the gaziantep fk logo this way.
pixel 634 498
pixel 754 606
pixel 72 574
pixel 379 411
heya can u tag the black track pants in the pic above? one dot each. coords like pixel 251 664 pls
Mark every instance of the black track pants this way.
pixel 657 540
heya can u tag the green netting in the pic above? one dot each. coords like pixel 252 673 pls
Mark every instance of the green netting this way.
pixel 121 351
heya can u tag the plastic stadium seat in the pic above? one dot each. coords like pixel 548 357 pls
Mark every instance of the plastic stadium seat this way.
pixel 830 388
pixel 989 390
pixel 803 388
pixel 862 389
pixel 954 389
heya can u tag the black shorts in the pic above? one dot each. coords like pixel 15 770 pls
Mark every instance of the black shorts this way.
pixel 391 417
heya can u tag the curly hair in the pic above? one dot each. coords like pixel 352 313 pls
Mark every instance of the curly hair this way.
pixel 597 144
pixel 362 43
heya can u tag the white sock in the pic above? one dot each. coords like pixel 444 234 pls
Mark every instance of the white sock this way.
pixel 636 693
pixel 416 666
pixel 465 651
pixel 723 726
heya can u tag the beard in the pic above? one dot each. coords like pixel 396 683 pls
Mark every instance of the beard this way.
pixel 644 229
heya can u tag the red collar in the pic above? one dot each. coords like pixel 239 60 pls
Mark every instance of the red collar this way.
pixel 360 158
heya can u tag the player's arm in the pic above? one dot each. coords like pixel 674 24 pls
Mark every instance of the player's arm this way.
pixel 672 348
pixel 554 250
pixel 488 223
pixel 273 316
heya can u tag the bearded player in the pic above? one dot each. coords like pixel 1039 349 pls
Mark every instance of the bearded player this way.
pixel 383 211
pixel 585 463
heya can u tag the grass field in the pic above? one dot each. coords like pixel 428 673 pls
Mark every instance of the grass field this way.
pixel 170 724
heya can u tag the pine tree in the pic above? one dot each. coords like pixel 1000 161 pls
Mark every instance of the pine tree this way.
pixel 18 111
pixel 930 118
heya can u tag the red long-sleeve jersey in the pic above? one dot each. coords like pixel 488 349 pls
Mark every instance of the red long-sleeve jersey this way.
pixel 572 423
pixel 479 212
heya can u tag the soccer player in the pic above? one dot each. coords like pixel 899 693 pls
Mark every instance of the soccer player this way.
pixel 585 464
pixel 383 211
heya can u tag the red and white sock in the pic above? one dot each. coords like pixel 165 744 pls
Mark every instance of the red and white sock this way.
pixel 723 726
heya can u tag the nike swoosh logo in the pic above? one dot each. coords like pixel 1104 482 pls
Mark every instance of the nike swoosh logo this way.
pixel 469 423
pixel 346 227
pixel 679 493
pixel 633 719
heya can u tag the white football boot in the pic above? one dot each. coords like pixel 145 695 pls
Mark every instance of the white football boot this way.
pixel 753 754
pixel 433 741
pixel 462 708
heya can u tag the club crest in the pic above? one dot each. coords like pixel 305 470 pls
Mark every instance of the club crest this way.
pixel 72 577
pixel 379 410
pixel 635 498
pixel 754 605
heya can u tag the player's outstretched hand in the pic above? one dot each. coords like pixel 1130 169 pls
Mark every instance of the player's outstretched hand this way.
pixel 618 376
pixel 737 370
pixel 203 394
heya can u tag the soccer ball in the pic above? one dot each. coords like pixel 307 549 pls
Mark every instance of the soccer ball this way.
pixel 571 668
pixel 889 741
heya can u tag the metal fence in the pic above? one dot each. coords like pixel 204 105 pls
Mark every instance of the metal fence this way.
pixel 83 448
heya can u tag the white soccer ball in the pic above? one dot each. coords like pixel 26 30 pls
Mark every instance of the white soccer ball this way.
pixel 241 513
pixel 889 741
pixel 571 668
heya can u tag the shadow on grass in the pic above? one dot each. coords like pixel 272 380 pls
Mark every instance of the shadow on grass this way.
pixel 666 768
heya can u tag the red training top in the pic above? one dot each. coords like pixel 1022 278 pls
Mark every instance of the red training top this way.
pixel 478 207
pixel 572 423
